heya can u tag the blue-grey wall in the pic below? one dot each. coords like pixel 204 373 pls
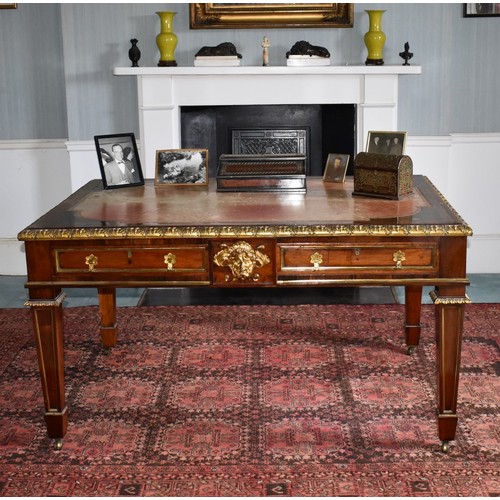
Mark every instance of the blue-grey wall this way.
pixel 32 103
pixel 56 63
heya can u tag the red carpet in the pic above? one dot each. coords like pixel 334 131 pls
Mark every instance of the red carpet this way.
pixel 250 401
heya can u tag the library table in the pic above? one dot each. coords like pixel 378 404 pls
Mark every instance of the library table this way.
pixel 163 236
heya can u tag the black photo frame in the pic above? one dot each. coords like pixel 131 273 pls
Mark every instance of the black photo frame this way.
pixel 121 148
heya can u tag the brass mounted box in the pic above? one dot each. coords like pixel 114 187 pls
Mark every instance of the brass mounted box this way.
pixel 262 173
pixel 383 176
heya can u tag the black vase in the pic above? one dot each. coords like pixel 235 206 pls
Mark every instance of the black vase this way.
pixel 134 54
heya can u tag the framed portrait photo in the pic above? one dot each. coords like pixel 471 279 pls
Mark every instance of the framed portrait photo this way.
pixel 118 160
pixel 336 167
pixel 481 9
pixel 181 167
pixel 386 143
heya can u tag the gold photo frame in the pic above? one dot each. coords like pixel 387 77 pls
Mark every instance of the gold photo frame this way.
pixel 387 143
pixel 181 167
pixel 336 167
pixel 270 15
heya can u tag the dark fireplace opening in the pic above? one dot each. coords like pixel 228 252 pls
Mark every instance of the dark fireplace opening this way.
pixel 314 130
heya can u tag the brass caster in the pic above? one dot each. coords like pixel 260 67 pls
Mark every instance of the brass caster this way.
pixel 445 446
pixel 58 444
pixel 410 350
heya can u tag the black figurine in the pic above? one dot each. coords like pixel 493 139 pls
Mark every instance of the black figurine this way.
pixel 134 54
pixel 406 55
pixel 304 48
pixel 223 49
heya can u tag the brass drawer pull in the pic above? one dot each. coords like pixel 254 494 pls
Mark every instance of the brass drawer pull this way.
pixel 170 260
pixel 316 260
pixel 399 257
pixel 91 261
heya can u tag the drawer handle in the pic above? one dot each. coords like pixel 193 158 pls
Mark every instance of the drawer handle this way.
pixel 316 260
pixel 399 257
pixel 242 260
pixel 170 260
pixel 91 261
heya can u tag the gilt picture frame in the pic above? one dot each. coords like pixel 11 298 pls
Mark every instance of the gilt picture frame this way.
pixel 181 167
pixel 270 15
pixel 336 167
pixel 119 160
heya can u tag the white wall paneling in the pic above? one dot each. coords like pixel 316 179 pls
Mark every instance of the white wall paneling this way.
pixel 36 177
pixel 464 167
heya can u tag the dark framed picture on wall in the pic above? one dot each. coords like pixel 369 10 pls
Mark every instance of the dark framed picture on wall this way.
pixel 387 143
pixel 481 9
pixel 118 160
pixel 336 167
pixel 181 167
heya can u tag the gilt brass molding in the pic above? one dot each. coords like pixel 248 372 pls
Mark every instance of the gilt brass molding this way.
pixel 448 301
pixel 274 231
pixel 46 302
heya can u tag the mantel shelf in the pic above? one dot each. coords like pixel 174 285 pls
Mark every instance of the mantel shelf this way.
pixel 268 70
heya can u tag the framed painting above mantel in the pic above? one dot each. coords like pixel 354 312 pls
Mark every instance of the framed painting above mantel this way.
pixel 270 15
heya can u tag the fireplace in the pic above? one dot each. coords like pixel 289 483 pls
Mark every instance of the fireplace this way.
pixel 369 93
pixel 311 130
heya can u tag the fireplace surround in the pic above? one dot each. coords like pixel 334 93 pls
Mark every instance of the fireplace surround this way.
pixel 163 92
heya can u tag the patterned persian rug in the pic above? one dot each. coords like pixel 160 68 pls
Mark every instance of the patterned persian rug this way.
pixel 250 401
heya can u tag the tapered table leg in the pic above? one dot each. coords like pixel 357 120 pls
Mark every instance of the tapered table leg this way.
pixel 107 310
pixel 449 312
pixel 48 328
pixel 413 307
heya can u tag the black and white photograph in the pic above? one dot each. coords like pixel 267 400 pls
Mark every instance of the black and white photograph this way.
pixel 386 143
pixel 119 160
pixel 336 167
pixel 182 167
pixel 481 9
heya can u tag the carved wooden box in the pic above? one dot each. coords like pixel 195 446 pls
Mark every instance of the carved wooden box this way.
pixel 383 176
pixel 269 173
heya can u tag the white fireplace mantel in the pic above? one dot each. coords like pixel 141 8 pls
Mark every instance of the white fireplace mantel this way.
pixel 163 91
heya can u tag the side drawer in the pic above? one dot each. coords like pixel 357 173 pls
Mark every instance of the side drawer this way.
pixel 367 259
pixel 171 260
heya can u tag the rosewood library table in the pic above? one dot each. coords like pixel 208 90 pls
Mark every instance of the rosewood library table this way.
pixel 165 236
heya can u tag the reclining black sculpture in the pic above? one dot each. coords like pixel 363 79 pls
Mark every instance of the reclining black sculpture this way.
pixel 304 48
pixel 223 49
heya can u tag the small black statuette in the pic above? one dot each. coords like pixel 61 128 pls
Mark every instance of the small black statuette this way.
pixel 223 49
pixel 304 48
pixel 134 54
pixel 406 55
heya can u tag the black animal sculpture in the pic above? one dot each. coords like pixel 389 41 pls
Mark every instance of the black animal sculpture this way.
pixel 223 49
pixel 406 55
pixel 304 48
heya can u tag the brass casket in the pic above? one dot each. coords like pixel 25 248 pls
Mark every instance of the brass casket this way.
pixel 383 176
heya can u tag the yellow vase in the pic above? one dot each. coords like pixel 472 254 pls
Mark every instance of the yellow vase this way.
pixel 375 38
pixel 166 40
